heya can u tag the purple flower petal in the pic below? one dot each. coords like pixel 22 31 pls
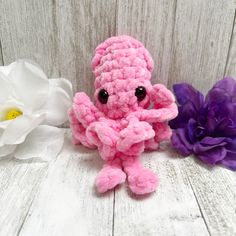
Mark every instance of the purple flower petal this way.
pixel 191 129
pixel 211 121
pixel 213 155
pixel 190 102
pixel 225 88
pixel 211 150
pixel 229 161
pixel 231 146
pixel 209 143
pixel 228 85
pixel 230 164
pixel 229 131
pixel 187 93
pixel 217 95
pixel 221 119
pixel 207 127
pixel 181 143
pixel 186 112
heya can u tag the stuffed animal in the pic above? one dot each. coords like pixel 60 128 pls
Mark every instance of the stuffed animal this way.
pixel 129 116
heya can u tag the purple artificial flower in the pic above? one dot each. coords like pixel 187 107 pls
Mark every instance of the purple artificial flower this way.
pixel 206 126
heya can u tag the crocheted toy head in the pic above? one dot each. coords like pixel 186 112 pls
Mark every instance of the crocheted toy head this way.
pixel 121 124
pixel 122 68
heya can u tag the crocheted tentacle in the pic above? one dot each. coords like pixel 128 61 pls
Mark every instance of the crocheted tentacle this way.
pixel 132 138
pixel 141 180
pixel 84 110
pixel 151 144
pixel 78 131
pixel 162 133
pixel 156 115
pixel 161 96
pixel 164 106
pixel 104 137
pixel 110 176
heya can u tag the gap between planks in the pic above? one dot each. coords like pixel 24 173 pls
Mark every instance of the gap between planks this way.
pixel 188 200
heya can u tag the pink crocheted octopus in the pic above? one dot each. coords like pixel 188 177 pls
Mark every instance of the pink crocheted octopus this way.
pixel 130 115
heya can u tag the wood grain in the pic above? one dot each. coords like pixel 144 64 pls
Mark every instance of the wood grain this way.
pixel 215 191
pixel 59 198
pixel 231 59
pixel 82 25
pixel 27 31
pixel 200 42
pixel 19 183
pixel 67 203
pixel 152 23
pixel 189 40
pixel 172 210
pixel 1 56
pixel 60 35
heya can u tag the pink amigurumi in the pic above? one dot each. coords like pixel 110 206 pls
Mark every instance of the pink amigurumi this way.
pixel 129 116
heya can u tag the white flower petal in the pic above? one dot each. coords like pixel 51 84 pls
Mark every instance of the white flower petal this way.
pixel 7 150
pixel 7 69
pixel 17 130
pixel 30 84
pixel 44 142
pixel 57 106
pixel 5 89
pixel 62 83
pixel 3 126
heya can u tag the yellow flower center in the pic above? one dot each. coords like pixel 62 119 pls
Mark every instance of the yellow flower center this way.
pixel 12 114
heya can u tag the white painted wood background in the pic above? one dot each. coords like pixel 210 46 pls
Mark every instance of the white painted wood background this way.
pixel 191 41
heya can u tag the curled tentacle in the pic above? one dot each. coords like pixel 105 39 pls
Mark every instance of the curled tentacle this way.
pixel 132 138
pixel 85 110
pixel 78 131
pixel 156 115
pixel 161 96
pixel 104 137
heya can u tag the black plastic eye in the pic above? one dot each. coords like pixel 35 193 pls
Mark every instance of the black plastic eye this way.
pixel 140 93
pixel 103 96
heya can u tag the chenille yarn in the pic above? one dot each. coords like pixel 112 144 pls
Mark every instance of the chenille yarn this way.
pixel 120 124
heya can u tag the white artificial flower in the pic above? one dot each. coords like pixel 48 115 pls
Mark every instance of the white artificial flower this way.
pixel 31 105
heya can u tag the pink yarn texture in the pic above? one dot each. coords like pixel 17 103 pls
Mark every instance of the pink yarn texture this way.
pixel 130 115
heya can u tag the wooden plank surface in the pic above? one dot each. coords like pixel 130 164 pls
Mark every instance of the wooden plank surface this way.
pixel 201 41
pixel 82 25
pixel 60 35
pixel 1 56
pixel 67 203
pixel 230 68
pixel 215 191
pixel 172 210
pixel 28 31
pixel 152 23
pixel 60 198
pixel 19 183
pixel 189 40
